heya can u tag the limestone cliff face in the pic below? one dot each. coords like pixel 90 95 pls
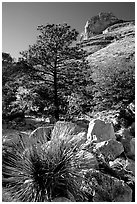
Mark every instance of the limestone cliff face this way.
pixel 97 24
pixel 113 36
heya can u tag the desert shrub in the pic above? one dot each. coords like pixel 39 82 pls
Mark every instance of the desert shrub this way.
pixel 39 171
pixel 127 115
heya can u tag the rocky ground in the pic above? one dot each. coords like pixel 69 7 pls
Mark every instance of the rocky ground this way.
pixel 110 157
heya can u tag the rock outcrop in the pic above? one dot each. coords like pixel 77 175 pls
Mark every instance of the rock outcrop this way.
pixel 97 24
pixel 109 189
pixel 109 35
pixel 103 131
pixel 111 149
pixel 115 180
pixel 128 141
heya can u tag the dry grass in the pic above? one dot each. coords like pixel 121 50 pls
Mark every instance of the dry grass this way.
pixel 40 171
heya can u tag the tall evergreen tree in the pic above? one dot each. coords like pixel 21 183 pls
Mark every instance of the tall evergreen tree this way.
pixel 57 62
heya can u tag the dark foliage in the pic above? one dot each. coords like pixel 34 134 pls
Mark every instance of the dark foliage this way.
pixel 58 66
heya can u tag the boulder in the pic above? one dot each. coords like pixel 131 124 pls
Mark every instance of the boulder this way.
pixel 128 143
pixel 102 130
pixel 108 189
pixel 110 149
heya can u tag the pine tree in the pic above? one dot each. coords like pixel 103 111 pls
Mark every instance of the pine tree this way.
pixel 57 62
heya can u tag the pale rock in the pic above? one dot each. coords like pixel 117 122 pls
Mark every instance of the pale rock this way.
pixel 102 130
pixel 128 143
pixel 110 149
pixel 130 166
pixel 97 24
pixel 119 163
pixel 106 31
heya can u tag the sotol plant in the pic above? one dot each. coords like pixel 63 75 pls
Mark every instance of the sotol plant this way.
pixel 40 171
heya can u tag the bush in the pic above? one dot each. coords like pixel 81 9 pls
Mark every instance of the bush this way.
pixel 127 116
pixel 39 171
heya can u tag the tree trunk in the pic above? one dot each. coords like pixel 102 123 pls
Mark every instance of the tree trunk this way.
pixel 56 104
pixel 56 93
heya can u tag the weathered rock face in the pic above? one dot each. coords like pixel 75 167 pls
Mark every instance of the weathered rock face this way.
pixel 109 189
pixel 110 149
pixel 128 143
pixel 99 23
pixel 103 131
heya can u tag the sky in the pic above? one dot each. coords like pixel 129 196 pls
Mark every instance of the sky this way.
pixel 20 19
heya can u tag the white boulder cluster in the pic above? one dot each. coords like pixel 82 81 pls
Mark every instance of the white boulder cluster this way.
pixel 118 155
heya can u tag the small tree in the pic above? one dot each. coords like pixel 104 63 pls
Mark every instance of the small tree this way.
pixel 12 80
pixel 56 62
pixel 8 87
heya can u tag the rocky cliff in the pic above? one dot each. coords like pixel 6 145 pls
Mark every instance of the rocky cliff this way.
pixel 99 23
pixel 111 35
pixel 111 48
pixel 116 47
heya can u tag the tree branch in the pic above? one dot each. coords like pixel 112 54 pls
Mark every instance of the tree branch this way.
pixel 42 79
pixel 44 71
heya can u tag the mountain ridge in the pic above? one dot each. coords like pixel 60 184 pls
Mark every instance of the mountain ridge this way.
pixel 111 56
